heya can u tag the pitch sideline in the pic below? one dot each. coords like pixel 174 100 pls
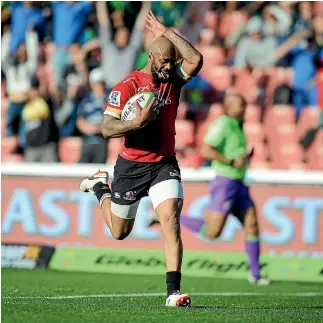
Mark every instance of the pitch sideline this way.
pixel 296 294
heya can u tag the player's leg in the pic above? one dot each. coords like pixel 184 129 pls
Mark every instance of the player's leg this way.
pixel 167 199
pixel 246 212
pixel 119 218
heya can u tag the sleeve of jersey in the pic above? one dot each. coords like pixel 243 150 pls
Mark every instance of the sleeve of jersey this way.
pixel 118 97
pixel 216 133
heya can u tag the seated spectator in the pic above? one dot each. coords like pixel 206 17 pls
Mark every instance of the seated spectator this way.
pixel 19 69
pixel 69 26
pixel 40 127
pixel 119 55
pixel 25 16
pixel 89 120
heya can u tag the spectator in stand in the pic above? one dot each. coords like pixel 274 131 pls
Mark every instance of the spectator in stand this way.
pixel 69 23
pixel 19 69
pixel 122 49
pixel 89 120
pixel 25 16
pixel 258 50
pixel 74 86
pixel 40 127
pixel 305 63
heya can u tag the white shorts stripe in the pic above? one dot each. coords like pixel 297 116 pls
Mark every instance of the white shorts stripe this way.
pixel 169 189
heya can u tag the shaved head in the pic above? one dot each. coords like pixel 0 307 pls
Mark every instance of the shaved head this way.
pixel 163 47
pixel 161 58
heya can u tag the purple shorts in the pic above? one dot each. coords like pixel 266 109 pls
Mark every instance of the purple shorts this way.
pixel 229 196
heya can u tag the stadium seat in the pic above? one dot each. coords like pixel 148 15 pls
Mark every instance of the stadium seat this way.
pixel 255 133
pixel 211 19
pixel 219 77
pixel 286 156
pixel 278 114
pixel 114 146
pixel 8 146
pixel 69 150
pixel 246 84
pixel 182 111
pixel 202 129
pixel 13 158
pixel 253 114
pixel 260 153
pixel 318 7
pixel 229 22
pixel 213 55
pixel 314 157
pixel 308 118
pixel 184 133
pixel 259 164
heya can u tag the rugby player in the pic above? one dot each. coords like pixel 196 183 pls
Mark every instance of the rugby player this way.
pixel 225 145
pixel 147 164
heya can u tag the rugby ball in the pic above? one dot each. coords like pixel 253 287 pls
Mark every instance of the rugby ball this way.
pixel 143 99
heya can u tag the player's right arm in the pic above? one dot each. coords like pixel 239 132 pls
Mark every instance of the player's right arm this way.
pixel 112 125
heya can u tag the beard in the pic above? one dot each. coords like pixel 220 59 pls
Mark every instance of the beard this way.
pixel 156 74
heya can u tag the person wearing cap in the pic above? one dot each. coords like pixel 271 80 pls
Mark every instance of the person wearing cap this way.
pixel 40 127
pixel 89 119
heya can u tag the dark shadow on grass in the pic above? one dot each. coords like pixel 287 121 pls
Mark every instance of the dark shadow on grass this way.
pixel 213 308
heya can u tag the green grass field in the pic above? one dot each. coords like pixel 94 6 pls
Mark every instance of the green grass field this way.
pixel 50 296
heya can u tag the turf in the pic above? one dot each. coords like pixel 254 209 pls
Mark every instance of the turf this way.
pixel 281 302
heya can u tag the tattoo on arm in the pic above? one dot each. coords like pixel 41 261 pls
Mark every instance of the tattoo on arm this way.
pixel 112 127
pixel 187 50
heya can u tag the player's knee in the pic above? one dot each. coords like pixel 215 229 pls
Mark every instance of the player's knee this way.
pixel 119 235
pixel 212 233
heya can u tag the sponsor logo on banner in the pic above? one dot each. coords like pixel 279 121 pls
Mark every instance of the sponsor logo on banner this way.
pixel 52 211
pixel 23 256
pixel 195 264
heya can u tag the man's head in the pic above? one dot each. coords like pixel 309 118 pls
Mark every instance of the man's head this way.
pixel 235 105
pixel 76 52
pixel 161 58
pixel 96 79
pixel 254 28
pixel 34 88
pixel 121 37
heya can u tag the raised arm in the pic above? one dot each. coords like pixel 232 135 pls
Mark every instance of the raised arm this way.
pixel 32 47
pixel 104 24
pixel 192 58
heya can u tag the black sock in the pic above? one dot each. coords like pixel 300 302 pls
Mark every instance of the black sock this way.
pixel 102 191
pixel 173 281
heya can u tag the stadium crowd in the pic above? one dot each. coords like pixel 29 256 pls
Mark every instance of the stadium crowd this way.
pixel 59 61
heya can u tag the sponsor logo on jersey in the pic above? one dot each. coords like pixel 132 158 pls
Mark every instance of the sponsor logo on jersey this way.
pixel 174 174
pixel 114 98
pixel 129 196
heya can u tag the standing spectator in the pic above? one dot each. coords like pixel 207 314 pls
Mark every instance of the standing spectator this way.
pixel 40 127
pixel 19 69
pixel 122 49
pixel 25 16
pixel 90 118
pixel 69 23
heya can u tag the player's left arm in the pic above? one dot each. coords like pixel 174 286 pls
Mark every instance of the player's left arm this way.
pixel 192 58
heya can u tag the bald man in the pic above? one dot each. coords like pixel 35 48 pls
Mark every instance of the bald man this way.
pixel 147 163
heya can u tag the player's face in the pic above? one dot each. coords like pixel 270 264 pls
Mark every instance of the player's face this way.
pixel 235 106
pixel 161 67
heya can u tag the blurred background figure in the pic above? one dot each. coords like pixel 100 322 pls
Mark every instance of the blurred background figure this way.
pixel 40 127
pixel 270 52
pixel 90 113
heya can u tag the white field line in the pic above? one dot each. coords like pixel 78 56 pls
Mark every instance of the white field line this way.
pixel 297 294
